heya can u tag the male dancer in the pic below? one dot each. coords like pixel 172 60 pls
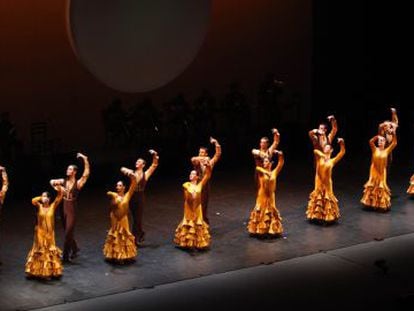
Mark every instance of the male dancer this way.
pixel 72 187
pixel 138 198
pixel 200 166
pixel 318 136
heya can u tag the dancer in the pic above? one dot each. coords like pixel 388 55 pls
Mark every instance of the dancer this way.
pixel 318 136
pixel 265 220
pixel 200 168
pixel 323 205
pixel 4 187
pixel 264 149
pixel 410 189
pixel 388 129
pixel 377 194
pixel 193 231
pixel 43 260
pixel 120 242
pixel 138 198
pixel 72 187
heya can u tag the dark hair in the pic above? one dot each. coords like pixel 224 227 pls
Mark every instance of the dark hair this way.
pixel 204 148
pixel 47 194
pixel 75 167
pixel 324 124
pixel 265 138
pixel 145 162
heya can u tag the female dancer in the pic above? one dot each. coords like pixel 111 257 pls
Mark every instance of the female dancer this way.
pixel 193 231
pixel 4 187
pixel 43 260
pixel 120 242
pixel 323 205
pixel 377 194
pixel 265 220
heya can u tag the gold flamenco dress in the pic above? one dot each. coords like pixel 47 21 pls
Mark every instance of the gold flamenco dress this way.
pixel 410 189
pixel 377 194
pixel 120 242
pixel 322 204
pixel 44 259
pixel 193 231
pixel 265 219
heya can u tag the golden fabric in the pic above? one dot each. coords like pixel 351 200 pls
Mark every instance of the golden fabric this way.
pixel 193 231
pixel 120 242
pixel 265 219
pixel 43 260
pixel 410 189
pixel 322 204
pixel 377 194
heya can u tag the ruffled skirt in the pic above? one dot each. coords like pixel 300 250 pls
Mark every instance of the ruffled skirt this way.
pixel 190 234
pixel 322 207
pixel 120 245
pixel 44 262
pixel 378 198
pixel 265 222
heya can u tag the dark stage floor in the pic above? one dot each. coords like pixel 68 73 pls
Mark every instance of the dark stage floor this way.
pixel 159 262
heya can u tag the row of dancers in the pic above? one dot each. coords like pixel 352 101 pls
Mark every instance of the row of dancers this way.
pixel 45 258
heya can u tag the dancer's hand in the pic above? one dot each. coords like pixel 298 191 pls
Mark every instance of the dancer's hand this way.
pixel 331 117
pixel 81 155
pixel 213 141
pixel 340 140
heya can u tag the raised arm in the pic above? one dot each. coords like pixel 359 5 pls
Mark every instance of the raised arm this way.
pixel 5 184
pixel 57 182
pixel 262 170
pixel 341 152
pixel 394 116
pixel 36 201
pixel 207 173
pixel 318 153
pixel 280 163
pixel 217 153
pixel 393 144
pixel 314 137
pixel 276 141
pixel 372 142
pixel 59 196
pixel 334 128
pixel 132 187
pixel 154 164
pixel 86 171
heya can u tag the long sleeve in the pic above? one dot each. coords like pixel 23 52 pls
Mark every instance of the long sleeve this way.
pixel 216 156
pixel 280 163
pixel 333 131
pixel 318 153
pixel 314 139
pixel 4 186
pixel 58 198
pixel 207 175
pixel 36 201
pixel 393 144
pixel 132 188
pixel 372 143
pixel 340 154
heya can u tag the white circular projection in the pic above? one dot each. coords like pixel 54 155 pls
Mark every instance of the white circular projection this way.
pixel 137 45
